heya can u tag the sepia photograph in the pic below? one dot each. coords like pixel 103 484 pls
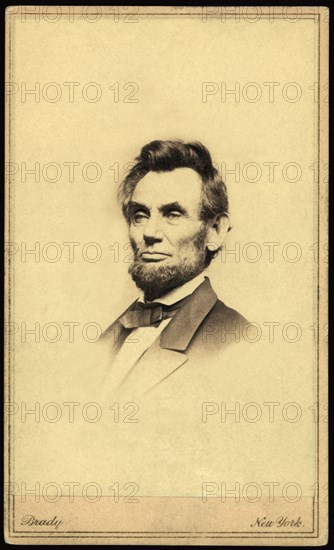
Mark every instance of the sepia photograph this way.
pixel 176 208
pixel 166 255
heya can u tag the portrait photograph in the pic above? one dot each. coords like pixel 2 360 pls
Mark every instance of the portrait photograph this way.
pixel 166 254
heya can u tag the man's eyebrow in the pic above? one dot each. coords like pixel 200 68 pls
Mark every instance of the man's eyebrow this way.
pixel 172 206
pixel 133 205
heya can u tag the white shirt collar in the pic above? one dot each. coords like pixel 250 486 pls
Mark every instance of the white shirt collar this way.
pixel 177 293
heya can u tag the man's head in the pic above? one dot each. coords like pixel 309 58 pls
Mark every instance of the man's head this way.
pixel 176 207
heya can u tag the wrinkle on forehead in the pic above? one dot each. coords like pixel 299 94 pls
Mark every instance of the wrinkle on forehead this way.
pixel 182 185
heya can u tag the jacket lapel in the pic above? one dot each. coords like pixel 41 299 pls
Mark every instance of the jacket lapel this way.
pixel 168 353
pixel 180 331
pixel 154 366
pixel 115 335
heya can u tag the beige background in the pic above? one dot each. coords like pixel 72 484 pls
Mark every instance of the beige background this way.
pixel 168 58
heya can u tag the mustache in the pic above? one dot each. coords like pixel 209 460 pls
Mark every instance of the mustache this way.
pixel 198 242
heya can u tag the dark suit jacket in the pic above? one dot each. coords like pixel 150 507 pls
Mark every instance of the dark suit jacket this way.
pixel 203 326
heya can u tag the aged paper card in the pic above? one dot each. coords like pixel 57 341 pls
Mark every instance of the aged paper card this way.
pixel 166 275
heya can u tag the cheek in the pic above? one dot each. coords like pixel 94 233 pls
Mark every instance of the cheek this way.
pixel 187 230
pixel 135 234
pixel 184 241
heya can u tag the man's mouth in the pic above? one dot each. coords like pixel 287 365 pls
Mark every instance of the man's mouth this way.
pixel 154 256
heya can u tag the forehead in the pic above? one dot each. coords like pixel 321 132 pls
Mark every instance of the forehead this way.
pixel 181 185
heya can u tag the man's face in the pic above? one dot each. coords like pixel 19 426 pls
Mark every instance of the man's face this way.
pixel 166 233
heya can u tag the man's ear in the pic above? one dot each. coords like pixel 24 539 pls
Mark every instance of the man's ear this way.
pixel 218 227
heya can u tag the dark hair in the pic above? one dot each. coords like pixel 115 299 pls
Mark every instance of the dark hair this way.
pixel 165 156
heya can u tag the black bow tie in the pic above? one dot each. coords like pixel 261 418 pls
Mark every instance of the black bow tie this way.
pixel 145 315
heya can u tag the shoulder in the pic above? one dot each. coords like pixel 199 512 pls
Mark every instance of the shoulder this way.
pixel 221 327
pixel 223 313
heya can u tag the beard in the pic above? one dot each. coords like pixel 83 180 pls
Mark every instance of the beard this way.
pixel 157 280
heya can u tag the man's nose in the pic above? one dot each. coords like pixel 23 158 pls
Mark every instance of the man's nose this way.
pixel 153 229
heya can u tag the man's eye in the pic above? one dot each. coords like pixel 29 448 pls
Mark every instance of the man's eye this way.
pixel 173 214
pixel 139 216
